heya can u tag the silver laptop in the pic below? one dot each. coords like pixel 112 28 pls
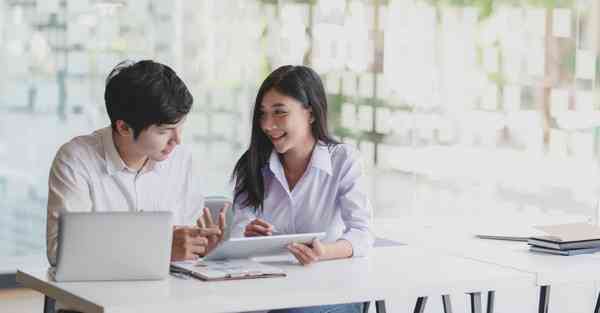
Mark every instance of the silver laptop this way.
pixel 113 246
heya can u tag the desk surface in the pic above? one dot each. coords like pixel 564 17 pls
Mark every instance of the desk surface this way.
pixel 455 236
pixel 392 271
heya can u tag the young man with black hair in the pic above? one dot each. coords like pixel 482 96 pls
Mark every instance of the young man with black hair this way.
pixel 136 163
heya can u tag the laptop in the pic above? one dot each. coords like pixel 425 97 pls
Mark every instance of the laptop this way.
pixel 100 246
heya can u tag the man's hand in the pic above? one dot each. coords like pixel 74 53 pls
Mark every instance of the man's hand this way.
pixel 190 242
pixel 307 254
pixel 206 222
pixel 258 227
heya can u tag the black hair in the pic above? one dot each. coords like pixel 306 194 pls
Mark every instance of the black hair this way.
pixel 298 82
pixel 145 93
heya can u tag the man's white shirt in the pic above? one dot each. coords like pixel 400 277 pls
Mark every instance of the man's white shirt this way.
pixel 88 175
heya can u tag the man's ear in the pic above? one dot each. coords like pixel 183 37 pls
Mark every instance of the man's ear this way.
pixel 311 119
pixel 123 129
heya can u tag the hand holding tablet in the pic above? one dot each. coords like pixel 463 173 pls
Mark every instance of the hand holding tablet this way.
pixel 248 247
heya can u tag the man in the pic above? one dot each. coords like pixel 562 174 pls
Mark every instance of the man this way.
pixel 136 164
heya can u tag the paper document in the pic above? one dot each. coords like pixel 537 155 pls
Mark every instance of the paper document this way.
pixel 226 269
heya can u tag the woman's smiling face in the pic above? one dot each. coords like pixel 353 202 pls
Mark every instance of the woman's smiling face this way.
pixel 285 121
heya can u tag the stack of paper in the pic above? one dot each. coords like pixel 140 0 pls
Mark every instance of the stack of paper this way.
pixel 567 239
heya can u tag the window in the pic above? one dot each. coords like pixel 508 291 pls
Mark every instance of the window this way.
pixel 456 106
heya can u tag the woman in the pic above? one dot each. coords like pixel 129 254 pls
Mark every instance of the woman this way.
pixel 295 178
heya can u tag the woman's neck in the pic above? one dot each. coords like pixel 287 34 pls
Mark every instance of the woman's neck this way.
pixel 295 161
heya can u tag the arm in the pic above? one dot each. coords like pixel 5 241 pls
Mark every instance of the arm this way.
pixel 68 191
pixel 355 208
pixel 242 216
pixel 191 237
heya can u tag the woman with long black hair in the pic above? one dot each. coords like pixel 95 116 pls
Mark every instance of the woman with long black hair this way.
pixel 295 178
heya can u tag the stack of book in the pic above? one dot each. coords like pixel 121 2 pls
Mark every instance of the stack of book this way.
pixel 567 239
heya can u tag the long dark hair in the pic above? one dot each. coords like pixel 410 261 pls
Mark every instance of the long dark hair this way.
pixel 300 83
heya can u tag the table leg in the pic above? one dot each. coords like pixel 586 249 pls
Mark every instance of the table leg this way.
pixel 475 302
pixel 380 306
pixel 446 303
pixel 544 299
pixel 366 306
pixel 49 304
pixel 420 305
pixel 597 309
pixel 490 301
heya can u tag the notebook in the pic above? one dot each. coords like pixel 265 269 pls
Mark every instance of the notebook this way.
pixel 569 232
pixel 542 241
pixel 226 269
pixel 564 252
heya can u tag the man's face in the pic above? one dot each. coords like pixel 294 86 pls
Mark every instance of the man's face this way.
pixel 158 141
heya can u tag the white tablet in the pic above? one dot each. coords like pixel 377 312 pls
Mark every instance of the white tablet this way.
pixel 248 247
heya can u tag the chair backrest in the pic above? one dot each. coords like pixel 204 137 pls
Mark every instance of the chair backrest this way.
pixel 214 204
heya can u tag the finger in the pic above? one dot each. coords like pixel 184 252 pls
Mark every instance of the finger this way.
pixel 181 232
pixel 223 216
pixel 261 223
pixel 318 248
pixel 308 252
pixel 259 229
pixel 207 232
pixel 297 255
pixel 250 233
pixel 200 222
pixel 300 256
pixel 197 241
pixel 197 250
pixel 208 221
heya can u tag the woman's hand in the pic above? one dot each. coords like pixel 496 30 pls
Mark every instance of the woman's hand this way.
pixel 308 253
pixel 258 227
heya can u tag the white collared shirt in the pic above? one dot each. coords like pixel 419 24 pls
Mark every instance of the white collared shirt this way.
pixel 88 175
pixel 327 198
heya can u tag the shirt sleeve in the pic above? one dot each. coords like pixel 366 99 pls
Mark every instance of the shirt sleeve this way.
pixel 68 191
pixel 194 196
pixel 355 206
pixel 242 215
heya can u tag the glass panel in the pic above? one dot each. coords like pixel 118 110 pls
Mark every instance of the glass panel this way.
pixel 458 107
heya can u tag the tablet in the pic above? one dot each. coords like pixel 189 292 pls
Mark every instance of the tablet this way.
pixel 248 247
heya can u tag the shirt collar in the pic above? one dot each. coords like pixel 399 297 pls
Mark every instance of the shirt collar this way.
pixel 320 159
pixel 114 163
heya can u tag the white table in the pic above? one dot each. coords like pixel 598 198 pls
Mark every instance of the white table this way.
pixel 399 272
pixel 9 266
pixel 455 236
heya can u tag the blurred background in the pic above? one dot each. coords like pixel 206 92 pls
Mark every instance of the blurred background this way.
pixel 457 106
